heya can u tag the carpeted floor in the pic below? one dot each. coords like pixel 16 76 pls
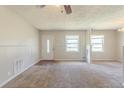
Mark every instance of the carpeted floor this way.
pixel 70 75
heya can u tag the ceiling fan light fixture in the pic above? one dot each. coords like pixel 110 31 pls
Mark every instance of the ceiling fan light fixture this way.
pixel 57 5
pixel 67 9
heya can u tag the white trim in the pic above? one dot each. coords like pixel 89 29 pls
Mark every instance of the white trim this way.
pixel 67 59
pixel 12 45
pixel 5 82
pixel 104 60
pixel 70 60
pixel 83 59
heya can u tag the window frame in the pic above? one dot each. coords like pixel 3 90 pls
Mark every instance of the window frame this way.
pixel 76 43
pixel 95 44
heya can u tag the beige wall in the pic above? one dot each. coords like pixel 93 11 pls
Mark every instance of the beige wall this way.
pixel 120 40
pixel 19 43
pixel 59 45
pixel 110 46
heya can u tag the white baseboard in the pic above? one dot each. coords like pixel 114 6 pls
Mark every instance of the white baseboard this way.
pixel 12 77
pixel 111 60
pixel 69 59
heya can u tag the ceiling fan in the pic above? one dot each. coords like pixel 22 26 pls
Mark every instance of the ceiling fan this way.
pixel 67 8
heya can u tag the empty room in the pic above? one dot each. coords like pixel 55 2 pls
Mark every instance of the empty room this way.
pixel 61 46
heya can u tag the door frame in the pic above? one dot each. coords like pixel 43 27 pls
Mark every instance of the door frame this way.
pixel 44 53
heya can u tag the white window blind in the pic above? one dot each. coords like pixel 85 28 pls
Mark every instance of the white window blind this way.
pixel 72 43
pixel 97 42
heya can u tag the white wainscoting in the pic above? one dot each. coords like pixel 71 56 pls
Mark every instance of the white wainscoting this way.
pixel 14 59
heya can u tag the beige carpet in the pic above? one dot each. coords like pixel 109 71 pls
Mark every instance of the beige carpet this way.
pixel 70 75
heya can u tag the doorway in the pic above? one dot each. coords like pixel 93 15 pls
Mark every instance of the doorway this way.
pixel 47 47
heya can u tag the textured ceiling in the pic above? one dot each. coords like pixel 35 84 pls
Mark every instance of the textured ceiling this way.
pixel 82 17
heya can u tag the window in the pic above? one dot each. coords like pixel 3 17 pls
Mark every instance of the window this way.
pixel 97 42
pixel 72 43
pixel 48 46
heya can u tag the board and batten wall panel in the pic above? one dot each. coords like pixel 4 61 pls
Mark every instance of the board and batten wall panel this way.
pixel 19 43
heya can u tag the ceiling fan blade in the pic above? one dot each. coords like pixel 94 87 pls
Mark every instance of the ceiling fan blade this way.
pixel 68 9
pixel 40 6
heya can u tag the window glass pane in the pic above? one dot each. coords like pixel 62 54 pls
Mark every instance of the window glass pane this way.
pixel 97 42
pixel 72 43
pixel 96 45
pixel 72 49
pixel 48 46
pixel 72 37
pixel 97 36
pixel 97 49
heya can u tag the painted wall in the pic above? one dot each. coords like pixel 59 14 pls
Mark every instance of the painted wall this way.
pixel 59 45
pixel 19 44
pixel 110 46
pixel 120 44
